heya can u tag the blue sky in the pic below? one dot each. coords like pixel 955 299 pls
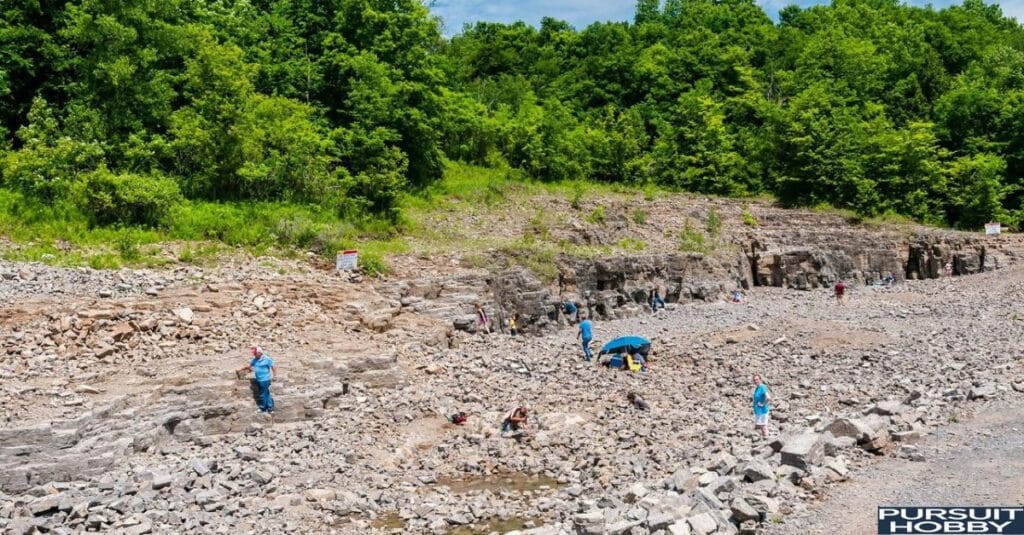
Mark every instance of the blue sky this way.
pixel 582 12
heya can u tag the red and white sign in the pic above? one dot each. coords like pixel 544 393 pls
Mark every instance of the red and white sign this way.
pixel 348 260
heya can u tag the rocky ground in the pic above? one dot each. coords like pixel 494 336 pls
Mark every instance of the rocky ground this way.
pixel 977 461
pixel 121 410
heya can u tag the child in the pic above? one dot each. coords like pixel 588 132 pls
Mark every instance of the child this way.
pixel 512 324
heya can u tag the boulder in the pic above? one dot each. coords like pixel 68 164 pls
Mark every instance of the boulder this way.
pixel 803 451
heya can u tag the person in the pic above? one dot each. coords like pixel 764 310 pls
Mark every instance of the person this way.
pixel 586 334
pixel 570 310
pixel 840 291
pixel 656 301
pixel 264 370
pixel 761 406
pixel 889 280
pixel 483 323
pixel 737 296
pixel 516 420
pixel 513 322
pixel 637 402
pixel 949 269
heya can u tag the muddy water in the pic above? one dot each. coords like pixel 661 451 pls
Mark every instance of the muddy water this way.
pixel 500 483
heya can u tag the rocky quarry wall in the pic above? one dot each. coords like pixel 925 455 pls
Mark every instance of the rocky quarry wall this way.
pixel 618 287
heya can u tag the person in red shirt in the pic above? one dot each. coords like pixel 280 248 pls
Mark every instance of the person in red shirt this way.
pixel 840 291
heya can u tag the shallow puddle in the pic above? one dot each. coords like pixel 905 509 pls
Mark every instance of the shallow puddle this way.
pixel 497 525
pixel 500 483
pixel 389 521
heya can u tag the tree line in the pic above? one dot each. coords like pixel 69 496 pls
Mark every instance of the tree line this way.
pixel 122 108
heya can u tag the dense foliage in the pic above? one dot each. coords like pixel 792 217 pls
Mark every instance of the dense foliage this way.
pixel 123 108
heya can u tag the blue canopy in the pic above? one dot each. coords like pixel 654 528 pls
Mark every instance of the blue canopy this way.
pixel 625 344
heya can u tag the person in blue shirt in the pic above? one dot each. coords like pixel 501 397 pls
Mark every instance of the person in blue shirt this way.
pixel 761 406
pixel 655 300
pixel 264 371
pixel 586 333
pixel 570 310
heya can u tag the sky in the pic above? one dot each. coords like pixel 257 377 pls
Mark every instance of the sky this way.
pixel 579 13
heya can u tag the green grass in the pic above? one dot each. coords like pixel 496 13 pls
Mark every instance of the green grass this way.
pixel 197 232
pixel 62 235
pixel 692 240
pixel 597 216
pixel 640 216
pixel 748 218
pixel 631 244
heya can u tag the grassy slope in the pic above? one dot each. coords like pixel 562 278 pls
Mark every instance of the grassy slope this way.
pixel 472 212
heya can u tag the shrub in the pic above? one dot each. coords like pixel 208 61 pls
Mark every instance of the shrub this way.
pixel 748 218
pixel 597 216
pixel 128 199
pixel 576 201
pixel 640 216
pixel 714 223
pixel 373 264
pixel 538 226
pixel 692 240
pixel 127 246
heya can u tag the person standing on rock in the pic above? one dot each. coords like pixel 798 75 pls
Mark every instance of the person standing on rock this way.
pixel 948 269
pixel 761 406
pixel 586 334
pixel 513 323
pixel 656 301
pixel 840 292
pixel 264 370
pixel 483 322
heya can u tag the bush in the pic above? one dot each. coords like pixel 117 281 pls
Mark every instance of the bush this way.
pixel 373 264
pixel 127 246
pixel 714 223
pixel 576 201
pixel 128 199
pixel 640 216
pixel 748 218
pixel 692 240
pixel 597 216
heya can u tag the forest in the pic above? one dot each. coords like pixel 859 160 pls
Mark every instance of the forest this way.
pixel 122 110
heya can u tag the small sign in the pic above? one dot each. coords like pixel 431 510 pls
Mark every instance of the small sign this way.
pixel 348 260
pixel 993 228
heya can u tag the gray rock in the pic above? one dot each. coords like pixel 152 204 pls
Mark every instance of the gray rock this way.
pixel 757 470
pixel 803 451
pixel 702 524
pixel 743 511
pixel 985 391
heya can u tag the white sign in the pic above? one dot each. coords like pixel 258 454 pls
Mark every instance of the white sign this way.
pixel 348 260
pixel 993 228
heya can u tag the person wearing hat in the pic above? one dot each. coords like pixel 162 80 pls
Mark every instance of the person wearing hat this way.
pixel 264 370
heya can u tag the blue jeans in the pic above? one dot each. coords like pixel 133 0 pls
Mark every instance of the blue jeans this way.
pixel 587 355
pixel 657 302
pixel 266 403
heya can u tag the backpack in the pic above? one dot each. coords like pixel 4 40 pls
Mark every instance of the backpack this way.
pixel 458 418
